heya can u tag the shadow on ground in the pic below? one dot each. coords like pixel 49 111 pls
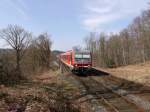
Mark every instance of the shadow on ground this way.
pixel 91 72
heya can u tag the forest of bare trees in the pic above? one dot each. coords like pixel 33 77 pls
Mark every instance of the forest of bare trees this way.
pixel 27 54
pixel 129 46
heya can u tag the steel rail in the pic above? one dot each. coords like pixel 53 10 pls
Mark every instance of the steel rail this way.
pixel 98 96
pixel 139 109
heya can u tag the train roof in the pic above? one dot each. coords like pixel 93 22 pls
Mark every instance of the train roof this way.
pixel 82 51
pixel 76 51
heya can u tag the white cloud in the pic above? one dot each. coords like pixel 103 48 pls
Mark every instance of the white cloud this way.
pixel 98 13
pixel 19 6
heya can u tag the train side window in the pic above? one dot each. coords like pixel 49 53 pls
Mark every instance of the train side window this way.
pixel 68 59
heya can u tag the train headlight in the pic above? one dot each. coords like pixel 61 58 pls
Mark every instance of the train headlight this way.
pixel 76 65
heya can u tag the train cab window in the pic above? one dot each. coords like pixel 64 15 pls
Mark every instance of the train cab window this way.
pixel 82 57
pixel 85 56
pixel 78 56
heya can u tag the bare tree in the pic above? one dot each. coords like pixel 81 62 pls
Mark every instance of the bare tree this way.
pixel 44 47
pixel 102 49
pixel 91 45
pixel 90 42
pixel 18 39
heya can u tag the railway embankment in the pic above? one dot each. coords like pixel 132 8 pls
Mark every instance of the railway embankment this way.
pixel 139 73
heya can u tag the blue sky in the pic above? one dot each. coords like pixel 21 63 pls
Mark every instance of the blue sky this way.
pixel 69 21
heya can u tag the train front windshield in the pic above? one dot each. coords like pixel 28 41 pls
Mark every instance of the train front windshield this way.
pixel 81 57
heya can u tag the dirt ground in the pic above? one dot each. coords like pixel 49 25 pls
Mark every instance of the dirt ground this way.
pixel 53 92
pixel 44 93
pixel 138 73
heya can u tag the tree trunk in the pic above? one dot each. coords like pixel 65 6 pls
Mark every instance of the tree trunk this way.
pixel 18 62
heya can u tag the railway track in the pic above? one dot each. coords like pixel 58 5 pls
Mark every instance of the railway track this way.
pixel 111 94
pixel 107 97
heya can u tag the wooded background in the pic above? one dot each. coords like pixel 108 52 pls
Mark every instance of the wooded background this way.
pixel 129 46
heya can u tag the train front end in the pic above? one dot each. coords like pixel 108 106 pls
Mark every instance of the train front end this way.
pixel 82 61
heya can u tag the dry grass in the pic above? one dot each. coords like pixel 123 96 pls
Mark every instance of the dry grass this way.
pixel 44 93
pixel 139 73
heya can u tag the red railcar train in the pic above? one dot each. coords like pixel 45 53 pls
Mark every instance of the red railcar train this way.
pixel 77 60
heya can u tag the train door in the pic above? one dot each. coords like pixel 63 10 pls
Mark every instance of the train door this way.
pixel 71 58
